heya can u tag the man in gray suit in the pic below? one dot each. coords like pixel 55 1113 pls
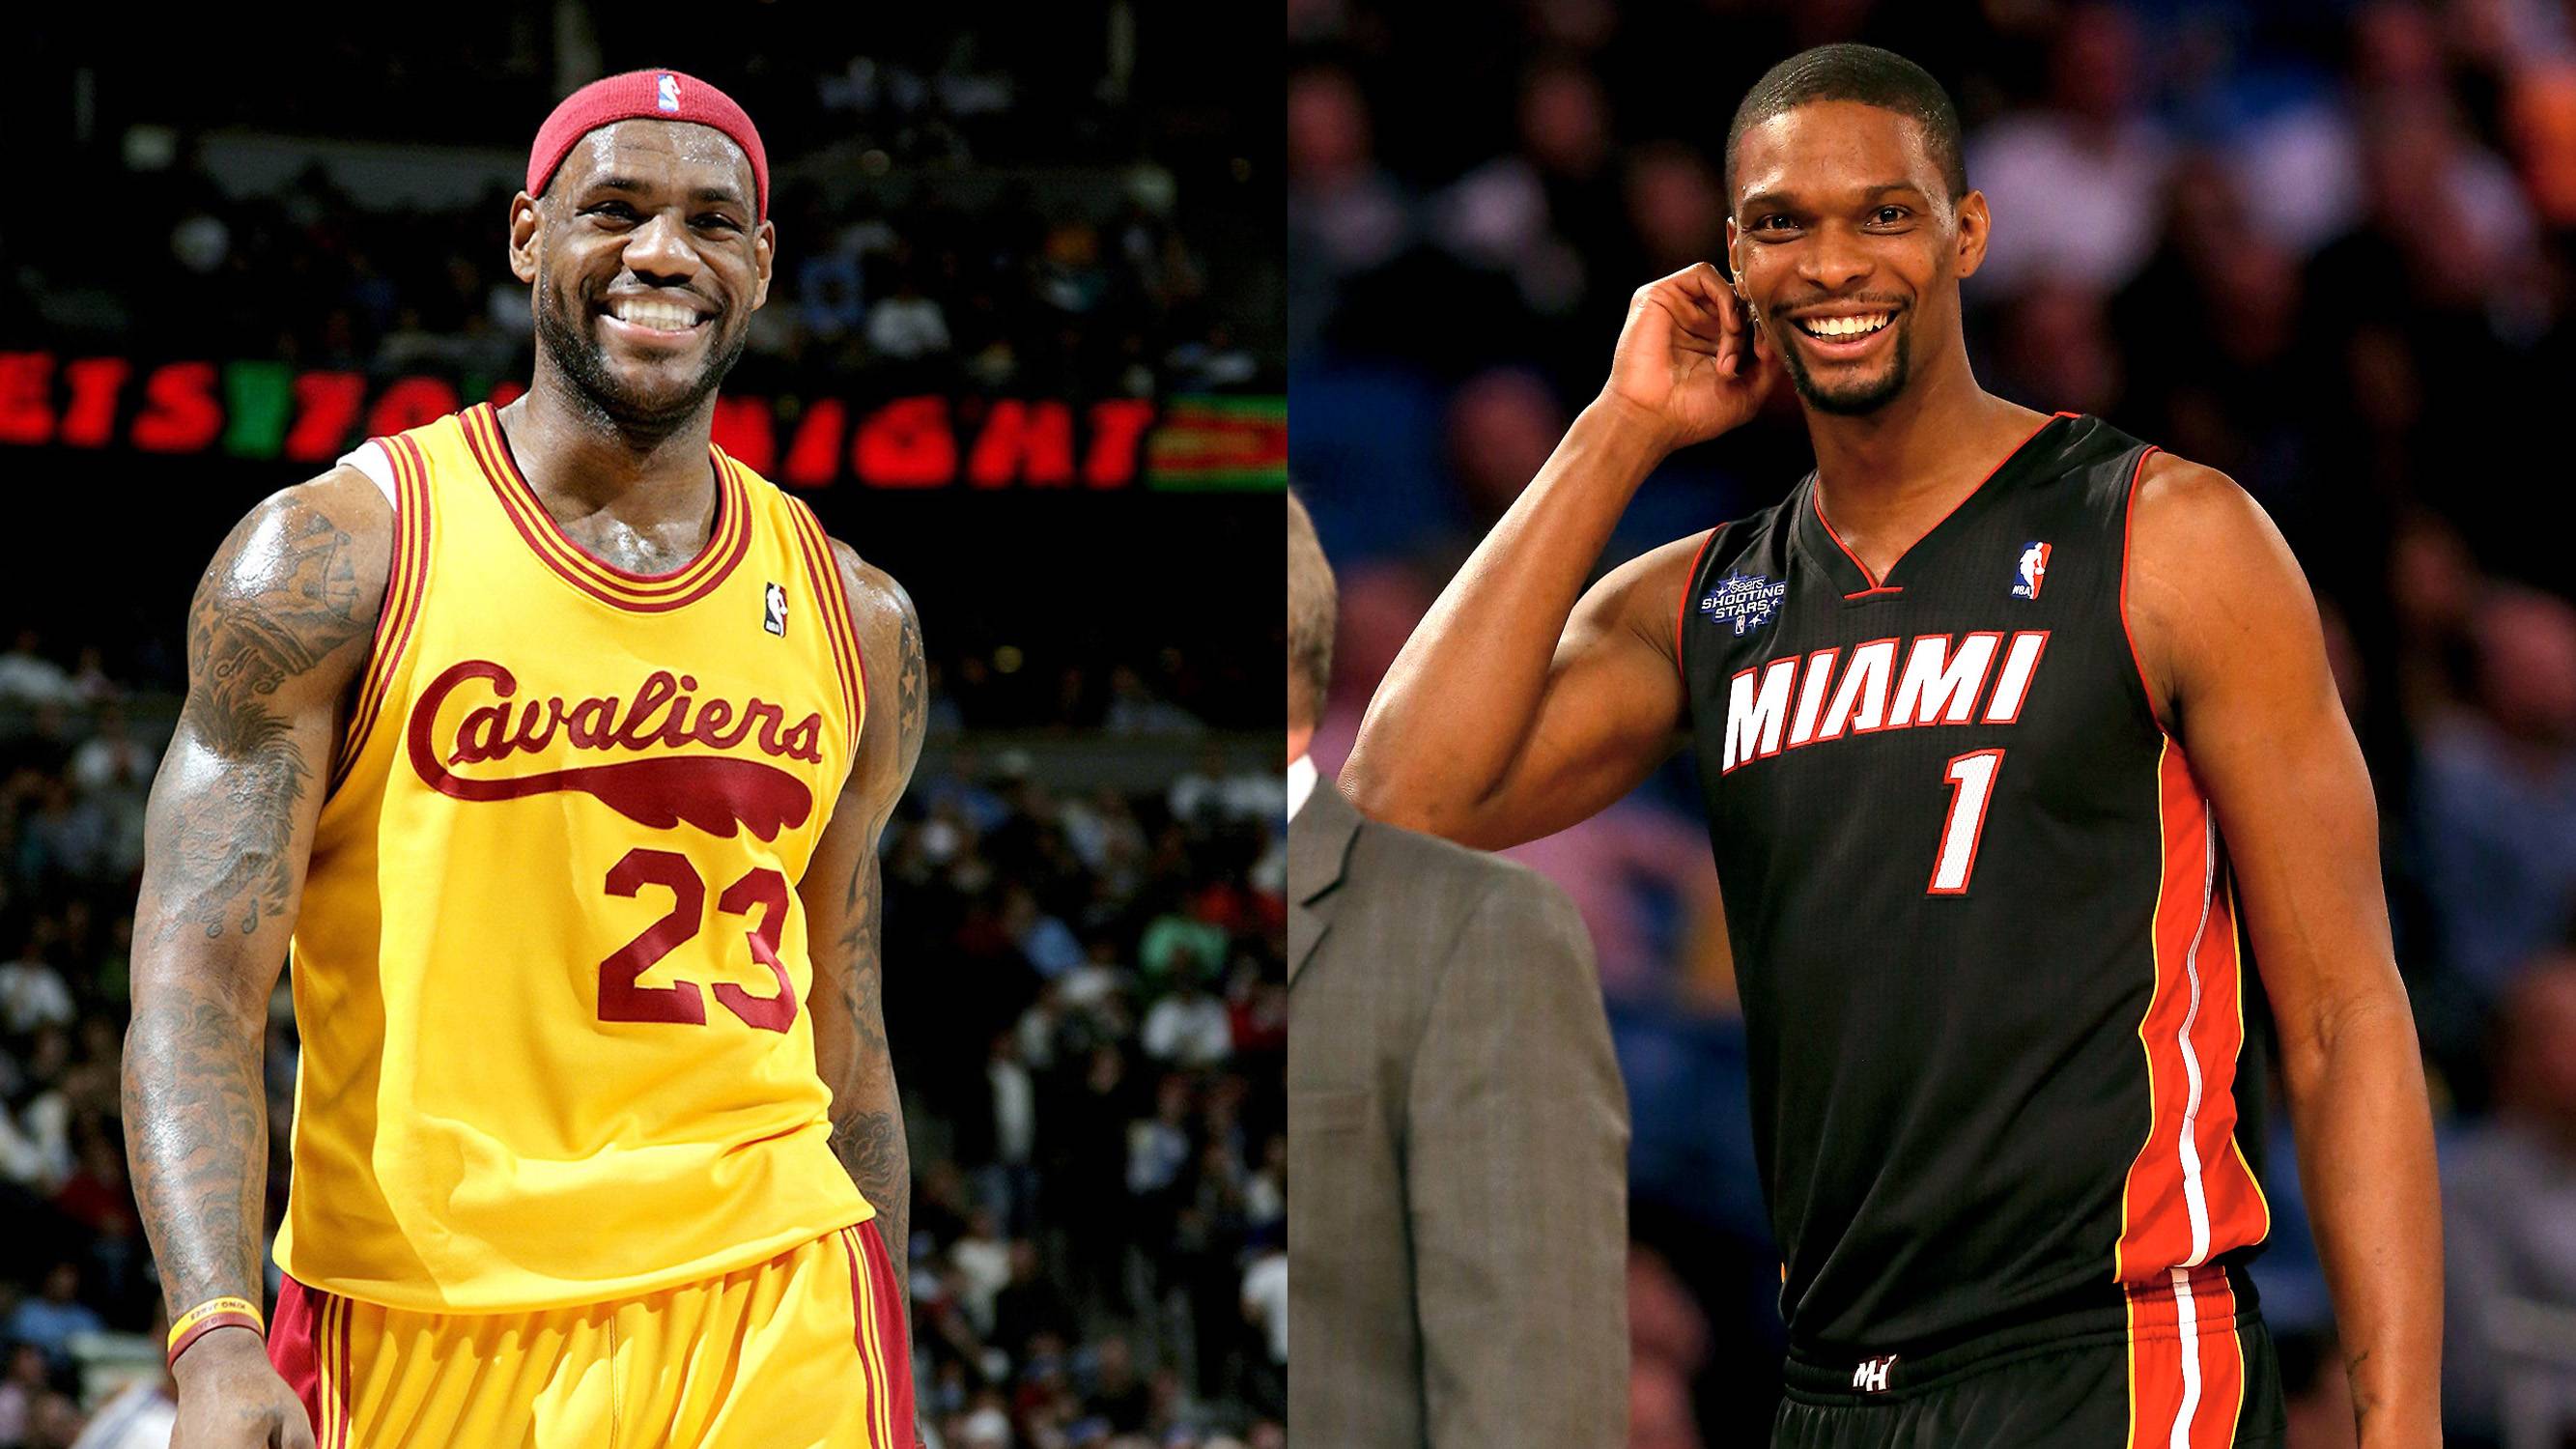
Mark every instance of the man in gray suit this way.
pixel 1457 1132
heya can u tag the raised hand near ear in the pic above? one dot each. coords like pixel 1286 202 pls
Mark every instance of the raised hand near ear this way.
pixel 1692 360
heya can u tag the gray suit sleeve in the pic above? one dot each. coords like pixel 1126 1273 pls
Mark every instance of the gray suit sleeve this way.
pixel 1516 1179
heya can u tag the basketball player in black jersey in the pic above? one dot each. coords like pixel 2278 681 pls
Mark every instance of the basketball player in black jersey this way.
pixel 2038 821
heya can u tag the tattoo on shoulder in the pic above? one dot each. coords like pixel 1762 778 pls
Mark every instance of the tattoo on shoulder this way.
pixel 282 596
pixel 912 692
pixel 277 601
pixel 912 686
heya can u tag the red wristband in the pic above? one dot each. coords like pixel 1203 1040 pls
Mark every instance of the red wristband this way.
pixel 206 1317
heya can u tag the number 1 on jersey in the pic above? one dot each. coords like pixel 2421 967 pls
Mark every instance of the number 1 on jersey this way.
pixel 1972 788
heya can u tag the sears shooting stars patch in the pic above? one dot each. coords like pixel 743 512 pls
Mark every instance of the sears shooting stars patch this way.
pixel 1743 600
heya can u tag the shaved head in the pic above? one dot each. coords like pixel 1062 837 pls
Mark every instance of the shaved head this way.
pixel 1862 73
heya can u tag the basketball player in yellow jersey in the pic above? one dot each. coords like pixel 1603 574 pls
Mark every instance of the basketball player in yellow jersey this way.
pixel 559 744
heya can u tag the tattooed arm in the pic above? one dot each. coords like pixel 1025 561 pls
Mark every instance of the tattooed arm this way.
pixel 277 636
pixel 843 909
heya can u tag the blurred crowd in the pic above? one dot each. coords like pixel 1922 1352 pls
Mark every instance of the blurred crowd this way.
pixel 1046 208
pixel 1167 693
pixel 1085 996
pixel 2328 248
pixel 928 292
pixel 1097 1024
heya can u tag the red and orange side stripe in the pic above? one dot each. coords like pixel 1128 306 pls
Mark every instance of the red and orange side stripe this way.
pixel 2190 1195
pixel 2186 1365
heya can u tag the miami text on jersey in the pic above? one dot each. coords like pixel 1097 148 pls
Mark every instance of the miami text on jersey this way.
pixel 1939 682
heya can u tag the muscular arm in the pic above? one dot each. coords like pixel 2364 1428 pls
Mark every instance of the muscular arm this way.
pixel 2228 637
pixel 844 908
pixel 1513 712
pixel 277 634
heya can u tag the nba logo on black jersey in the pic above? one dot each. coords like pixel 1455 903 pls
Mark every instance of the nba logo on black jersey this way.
pixel 774 611
pixel 2032 571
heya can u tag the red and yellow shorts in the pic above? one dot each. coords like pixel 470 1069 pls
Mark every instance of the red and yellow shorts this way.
pixel 806 1349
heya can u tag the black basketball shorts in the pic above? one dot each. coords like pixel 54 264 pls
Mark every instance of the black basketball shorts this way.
pixel 2154 1381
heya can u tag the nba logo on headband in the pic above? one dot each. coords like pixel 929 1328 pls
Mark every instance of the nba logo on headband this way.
pixel 654 94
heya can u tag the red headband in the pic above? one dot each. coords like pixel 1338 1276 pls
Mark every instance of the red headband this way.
pixel 653 95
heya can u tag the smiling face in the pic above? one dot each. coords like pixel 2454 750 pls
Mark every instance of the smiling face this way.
pixel 1848 244
pixel 647 262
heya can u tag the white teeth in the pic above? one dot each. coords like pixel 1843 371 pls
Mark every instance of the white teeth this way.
pixel 1844 326
pixel 661 316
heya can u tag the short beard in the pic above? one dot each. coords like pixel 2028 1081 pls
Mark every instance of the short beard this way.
pixel 1869 397
pixel 598 391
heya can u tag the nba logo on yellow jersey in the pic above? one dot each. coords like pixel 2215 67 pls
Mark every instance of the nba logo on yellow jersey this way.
pixel 774 611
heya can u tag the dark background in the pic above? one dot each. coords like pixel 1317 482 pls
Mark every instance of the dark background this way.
pixel 2328 248
pixel 968 143
pixel 983 205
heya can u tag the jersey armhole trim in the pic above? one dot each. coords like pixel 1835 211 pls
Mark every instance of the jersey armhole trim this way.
pixel 2128 531
pixel 372 459
pixel 1681 610
pixel 823 568
pixel 405 584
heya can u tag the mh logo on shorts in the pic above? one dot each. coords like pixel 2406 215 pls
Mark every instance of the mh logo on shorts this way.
pixel 667 93
pixel 1871 1377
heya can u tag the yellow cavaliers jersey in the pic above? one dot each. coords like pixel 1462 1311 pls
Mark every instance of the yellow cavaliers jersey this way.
pixel 550 966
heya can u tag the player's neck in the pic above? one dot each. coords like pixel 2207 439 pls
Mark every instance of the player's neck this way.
pixel 580 462
pixel 1887 476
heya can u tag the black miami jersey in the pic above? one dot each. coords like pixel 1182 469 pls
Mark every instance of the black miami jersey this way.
pixel 2005 1030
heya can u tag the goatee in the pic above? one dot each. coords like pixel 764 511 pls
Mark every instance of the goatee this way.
pixel 584 362
pixel 1863 398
